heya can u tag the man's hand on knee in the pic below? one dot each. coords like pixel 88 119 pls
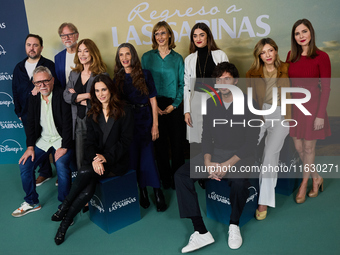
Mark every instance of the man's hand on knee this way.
pixel 28 153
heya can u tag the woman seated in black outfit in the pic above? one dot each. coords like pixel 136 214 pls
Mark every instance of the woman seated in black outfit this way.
pixel 109 134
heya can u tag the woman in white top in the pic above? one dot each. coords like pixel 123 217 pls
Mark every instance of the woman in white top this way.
pixel 204 56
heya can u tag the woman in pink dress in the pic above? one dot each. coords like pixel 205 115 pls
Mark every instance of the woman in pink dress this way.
pixel 313 65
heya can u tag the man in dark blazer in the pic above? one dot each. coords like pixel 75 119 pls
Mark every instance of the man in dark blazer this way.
pixel 49 130
pixel 22 87
pixel 64 60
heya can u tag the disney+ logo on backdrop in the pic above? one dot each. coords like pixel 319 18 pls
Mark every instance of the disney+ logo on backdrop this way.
pixel 7 101
pixel 97 203
pixel 10 145
pixel 2 50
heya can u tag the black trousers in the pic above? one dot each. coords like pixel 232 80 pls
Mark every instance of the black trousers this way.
pixel 171 135
pixel 187 197
pixel 83 189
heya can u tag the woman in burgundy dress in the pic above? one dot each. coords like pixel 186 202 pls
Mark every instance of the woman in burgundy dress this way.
pixel 313 65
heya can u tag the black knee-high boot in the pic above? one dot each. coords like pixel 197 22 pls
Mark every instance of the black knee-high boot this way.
pixel 60 236
pixel 83 198
pixel 67 220
pixel 60 214
pixel 84 177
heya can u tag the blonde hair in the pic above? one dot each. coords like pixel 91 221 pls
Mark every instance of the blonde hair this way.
pixel 258 63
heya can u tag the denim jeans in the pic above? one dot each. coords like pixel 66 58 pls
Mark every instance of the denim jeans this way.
pixel 45 169
pixel 27 172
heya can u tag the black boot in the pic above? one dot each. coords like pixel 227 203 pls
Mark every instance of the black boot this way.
pixel 60 236
pixel 60 214
pixel 144 198
pixel 76 206
pixel 160 200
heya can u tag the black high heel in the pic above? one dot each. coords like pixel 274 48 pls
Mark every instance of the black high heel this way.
pixel 144 198
pixel 160 200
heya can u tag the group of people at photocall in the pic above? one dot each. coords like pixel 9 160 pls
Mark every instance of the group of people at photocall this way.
pixel 73 110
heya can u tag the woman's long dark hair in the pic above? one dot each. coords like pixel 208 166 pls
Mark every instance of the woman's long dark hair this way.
pixel 116 106
pixel 210 39
pixel 138 80
pixel 296 49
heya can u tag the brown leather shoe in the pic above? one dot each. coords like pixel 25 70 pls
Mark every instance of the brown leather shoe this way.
pixel 40 180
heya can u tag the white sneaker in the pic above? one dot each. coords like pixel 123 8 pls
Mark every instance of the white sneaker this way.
pixel 198 241
pixel 235 238
pixel 25 208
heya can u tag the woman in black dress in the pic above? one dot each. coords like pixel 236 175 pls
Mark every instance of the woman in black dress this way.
pixel 138 89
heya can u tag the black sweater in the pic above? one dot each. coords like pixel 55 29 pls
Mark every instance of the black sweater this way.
pixel 239 137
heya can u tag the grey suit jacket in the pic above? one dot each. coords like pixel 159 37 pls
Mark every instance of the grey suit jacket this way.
pixel 70 97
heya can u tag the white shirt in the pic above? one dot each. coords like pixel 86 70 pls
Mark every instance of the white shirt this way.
pixel 226 105
pixel 49 134
pixel 30 68
pixel 68 64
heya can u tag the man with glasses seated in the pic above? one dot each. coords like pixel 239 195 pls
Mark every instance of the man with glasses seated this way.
pixel 64 60
pixel 49 130
pixel 22 87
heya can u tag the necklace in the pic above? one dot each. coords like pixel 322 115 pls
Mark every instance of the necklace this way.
pixel 205 65
pixel 165 53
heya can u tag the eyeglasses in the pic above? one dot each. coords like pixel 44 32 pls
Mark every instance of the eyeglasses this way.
pixel 39 83
pixel 67 35
pixel 160 34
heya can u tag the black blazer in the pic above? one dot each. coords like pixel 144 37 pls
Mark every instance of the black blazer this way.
pixel 61 115
pixel 116 147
